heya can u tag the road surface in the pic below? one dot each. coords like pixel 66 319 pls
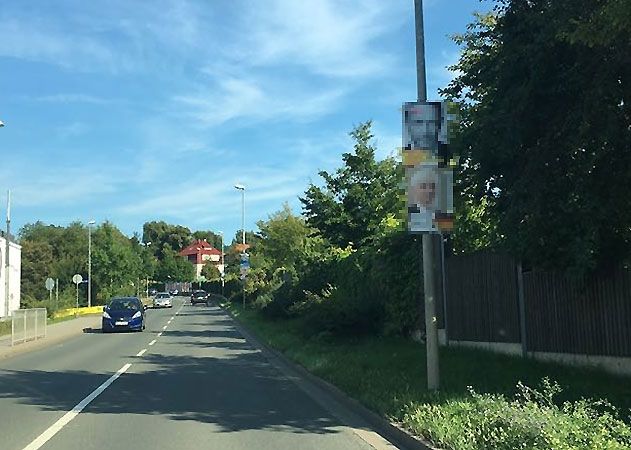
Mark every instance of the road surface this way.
pixel 189 381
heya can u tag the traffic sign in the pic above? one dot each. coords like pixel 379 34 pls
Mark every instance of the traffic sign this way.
pixel 50 284
pixel 77 278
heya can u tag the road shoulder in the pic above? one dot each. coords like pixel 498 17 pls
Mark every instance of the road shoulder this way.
pixel 336 401
pixel 55 333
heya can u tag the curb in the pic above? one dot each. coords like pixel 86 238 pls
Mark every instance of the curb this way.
pixel 396 435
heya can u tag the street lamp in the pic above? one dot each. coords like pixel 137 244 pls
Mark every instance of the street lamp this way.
pixel 223 266
pixel 146 244
pixel 90 223
pixel 241 188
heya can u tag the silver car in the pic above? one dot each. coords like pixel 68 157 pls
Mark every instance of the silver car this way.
pixel 162 300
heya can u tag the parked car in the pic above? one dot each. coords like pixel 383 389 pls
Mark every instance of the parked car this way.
pixel 163 300
pixel 198 296
pixel 124 313
pixel 174 292
pixel 152 292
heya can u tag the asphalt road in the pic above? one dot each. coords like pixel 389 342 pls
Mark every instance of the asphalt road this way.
pixel 200 385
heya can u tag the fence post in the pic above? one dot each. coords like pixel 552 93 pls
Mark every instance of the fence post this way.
pixel 36 319
pixel 522 310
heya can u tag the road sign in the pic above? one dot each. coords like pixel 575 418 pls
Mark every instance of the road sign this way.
pixel 77 278
pixel 50 284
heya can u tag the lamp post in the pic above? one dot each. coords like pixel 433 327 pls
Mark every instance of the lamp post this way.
pixel 146 244
pixel 241 188
pixel 7 265
pixel 90 223
pixel 223 266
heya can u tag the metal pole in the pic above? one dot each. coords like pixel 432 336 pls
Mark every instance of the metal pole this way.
pixel 56 293
pixel 147 287
pixel 89 265
pixel 442 263
pixel 223 268
pixel 77 285
pixel 243 234
pixel 431 326
pixel 7 266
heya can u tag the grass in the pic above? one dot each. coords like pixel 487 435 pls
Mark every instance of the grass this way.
pixel 388 376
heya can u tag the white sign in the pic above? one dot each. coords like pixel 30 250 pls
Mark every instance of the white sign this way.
pixel 50 284
pixel 77 278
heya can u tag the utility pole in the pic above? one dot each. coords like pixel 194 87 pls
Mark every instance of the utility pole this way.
pixel 6 257
pixel 56 293
pixel 429 255
pixel 90 223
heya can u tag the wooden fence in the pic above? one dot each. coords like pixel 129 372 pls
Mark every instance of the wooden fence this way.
pixel 590 316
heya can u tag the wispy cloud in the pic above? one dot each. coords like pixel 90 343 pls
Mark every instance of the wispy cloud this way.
pixel 73 98
pixel 255 100
pixel 73 129
pixel 332 38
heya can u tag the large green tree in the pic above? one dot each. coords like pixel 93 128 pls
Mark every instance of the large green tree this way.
pixel 356 198
pixel 545 134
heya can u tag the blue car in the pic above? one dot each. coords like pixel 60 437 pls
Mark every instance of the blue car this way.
pixel 124 313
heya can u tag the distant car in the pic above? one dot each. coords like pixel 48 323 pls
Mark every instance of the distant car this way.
pixel 123 313
pixel 174 292
pixel 199 297
pixel 152 292
pixel 163 300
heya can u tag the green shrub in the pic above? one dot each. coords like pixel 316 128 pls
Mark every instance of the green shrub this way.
pixel 532 420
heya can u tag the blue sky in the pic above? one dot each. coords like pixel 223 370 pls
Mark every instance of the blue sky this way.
pixel 132 111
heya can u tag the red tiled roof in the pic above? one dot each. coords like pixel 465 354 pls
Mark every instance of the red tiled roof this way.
pixel 199 247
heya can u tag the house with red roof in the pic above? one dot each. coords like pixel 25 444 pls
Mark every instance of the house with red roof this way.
pixel 200 253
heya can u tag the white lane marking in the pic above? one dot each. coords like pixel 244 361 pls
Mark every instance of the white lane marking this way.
pixel 159 334
pixel 74 412
pixel 152 342
pixel 164 327
pixel 141 352
pixel 168 322
pixel 172 317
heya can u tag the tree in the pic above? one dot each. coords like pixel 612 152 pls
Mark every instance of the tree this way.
pixel 210 272
pixel 546 128
pixel 211 237
pixel 175 237
pixel 283 238
pixel 357 197
pixel 174 268
pixel 37 259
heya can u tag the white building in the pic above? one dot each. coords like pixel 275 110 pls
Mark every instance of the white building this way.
pixel 15 273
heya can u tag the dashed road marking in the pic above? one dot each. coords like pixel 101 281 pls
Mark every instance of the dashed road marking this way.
pixel 141 352
pixel 74 412
pixel 152 342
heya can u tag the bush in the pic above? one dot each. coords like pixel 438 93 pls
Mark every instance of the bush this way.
pixel 530 421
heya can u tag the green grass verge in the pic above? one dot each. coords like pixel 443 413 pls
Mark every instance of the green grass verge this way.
pixel 480 405
pixel 5 327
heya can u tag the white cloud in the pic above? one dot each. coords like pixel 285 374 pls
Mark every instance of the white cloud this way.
pixel 73 98
pixel 37 40
pixel 333 38
pixel 255 100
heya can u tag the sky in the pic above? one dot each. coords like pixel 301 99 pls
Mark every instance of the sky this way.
pixel 132 111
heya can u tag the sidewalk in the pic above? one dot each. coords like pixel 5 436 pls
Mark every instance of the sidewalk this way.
pixel 55 333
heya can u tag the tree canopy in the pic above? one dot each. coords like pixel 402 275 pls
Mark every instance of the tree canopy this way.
pixel 546 131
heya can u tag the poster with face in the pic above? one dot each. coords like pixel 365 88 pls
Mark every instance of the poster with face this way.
pixel 429 198
pixel 429 177
pixel 421 126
